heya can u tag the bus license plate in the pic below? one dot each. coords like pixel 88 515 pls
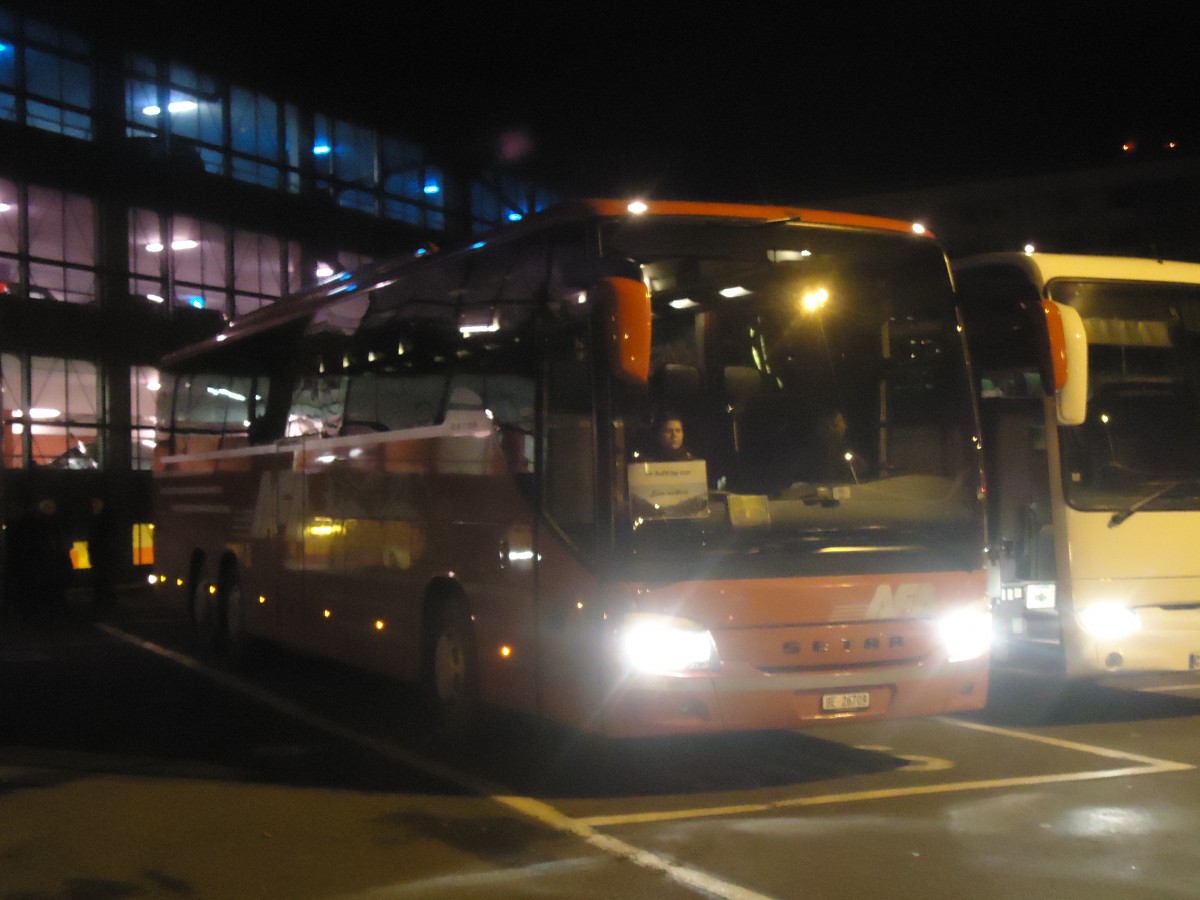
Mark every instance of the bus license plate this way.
pixel 843 702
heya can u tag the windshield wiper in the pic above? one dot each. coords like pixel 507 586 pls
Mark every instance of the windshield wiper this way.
pixel 1119 517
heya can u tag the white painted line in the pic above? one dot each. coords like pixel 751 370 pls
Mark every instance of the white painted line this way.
pixel 527 806
pixel 1106 752
pixel 1146 766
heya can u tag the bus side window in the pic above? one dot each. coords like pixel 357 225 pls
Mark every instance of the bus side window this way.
pixel 390 401
pixel 215 411
pixel 316 408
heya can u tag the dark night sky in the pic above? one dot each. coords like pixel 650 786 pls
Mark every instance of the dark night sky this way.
pixel 757 101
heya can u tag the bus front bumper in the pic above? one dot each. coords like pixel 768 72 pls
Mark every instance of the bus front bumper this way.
pixel 739 701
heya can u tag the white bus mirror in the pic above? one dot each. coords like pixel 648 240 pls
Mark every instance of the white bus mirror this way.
pixel 1069 357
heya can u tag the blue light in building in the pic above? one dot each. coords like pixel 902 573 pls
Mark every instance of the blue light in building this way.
pixel 514 217
pixel 478 244
pixel 322 149
pixel 422 251
pixel 3 47
pixel 197 302
pixel 432 188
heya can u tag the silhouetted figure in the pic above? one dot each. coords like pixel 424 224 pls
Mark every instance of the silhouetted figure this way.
pixel 39 565
pixel 102 555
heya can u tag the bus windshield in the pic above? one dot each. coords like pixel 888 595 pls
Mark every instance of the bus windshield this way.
pixel 1141 440
pixel 814 397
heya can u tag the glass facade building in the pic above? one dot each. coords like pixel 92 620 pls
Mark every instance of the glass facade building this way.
pixel 144 204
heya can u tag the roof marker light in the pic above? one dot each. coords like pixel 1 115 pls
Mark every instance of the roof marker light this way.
pixel 637 207
pixel 918 228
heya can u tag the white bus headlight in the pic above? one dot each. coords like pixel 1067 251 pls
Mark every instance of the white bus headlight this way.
pixel 966 634
pixel 664 645
pixel 1108 621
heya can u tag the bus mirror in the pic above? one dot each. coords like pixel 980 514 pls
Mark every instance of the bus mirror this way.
pixel 624 304
pixel 1068 357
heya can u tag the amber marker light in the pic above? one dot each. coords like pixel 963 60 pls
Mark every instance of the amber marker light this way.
pixel 506 651
pixel 379 624
pixel 327 613
pixel 212 588
pixel 262 599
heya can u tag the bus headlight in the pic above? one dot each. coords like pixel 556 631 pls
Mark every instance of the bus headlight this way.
pixel 664 645
pixel 1108 621
pixel 965 633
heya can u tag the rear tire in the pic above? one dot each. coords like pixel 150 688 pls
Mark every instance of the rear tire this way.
pixel 452 672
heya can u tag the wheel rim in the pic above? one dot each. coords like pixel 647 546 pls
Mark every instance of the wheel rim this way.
pixel 449 668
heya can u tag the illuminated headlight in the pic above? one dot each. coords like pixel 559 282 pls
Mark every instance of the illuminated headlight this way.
pixel 966 634
pixel 1108 621
pixel 665 645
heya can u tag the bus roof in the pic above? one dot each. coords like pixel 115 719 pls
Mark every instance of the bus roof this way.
pixel 1042 268
pixel 617 208
pixel 295 310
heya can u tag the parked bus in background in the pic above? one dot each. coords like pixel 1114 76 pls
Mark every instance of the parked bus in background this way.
pixel 441 469
pixel 1089 373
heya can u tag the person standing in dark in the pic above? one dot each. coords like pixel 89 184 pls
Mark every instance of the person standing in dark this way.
pixel 20 564
pixel 101 556
pixel 51 565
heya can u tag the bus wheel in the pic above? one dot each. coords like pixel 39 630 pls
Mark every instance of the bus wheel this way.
pixel 453 671
pixel 206 623
pixel 238 643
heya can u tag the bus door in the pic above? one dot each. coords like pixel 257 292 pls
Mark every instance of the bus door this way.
pixel 272 570
pixel 568 611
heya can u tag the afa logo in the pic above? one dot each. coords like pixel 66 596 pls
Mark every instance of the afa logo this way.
pixel 907 600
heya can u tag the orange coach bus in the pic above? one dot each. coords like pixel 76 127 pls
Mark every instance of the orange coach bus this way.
pixel 444 469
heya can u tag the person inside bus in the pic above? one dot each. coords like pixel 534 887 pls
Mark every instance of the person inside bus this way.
pixel 668 445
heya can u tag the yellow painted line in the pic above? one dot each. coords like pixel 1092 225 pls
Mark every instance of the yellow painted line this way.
pixel 701 882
